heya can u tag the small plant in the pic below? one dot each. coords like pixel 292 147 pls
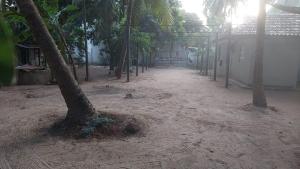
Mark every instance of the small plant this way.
pixel 91 125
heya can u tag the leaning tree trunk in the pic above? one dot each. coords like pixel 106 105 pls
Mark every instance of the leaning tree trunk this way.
pixel 79 107
pixel 259 98
pixel 68 51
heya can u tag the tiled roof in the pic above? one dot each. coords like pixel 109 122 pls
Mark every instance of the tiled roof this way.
pixel 279 24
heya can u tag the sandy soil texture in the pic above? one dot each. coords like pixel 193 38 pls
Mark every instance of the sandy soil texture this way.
pixel 192 123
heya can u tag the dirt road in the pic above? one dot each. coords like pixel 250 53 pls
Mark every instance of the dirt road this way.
pixel 192 123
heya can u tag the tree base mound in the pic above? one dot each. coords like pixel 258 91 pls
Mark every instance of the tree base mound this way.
pixel 251 107
pixel 103 125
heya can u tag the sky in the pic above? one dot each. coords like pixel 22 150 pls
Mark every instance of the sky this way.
pixel 250 8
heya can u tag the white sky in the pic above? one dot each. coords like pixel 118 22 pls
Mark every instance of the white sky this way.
pixel 250 8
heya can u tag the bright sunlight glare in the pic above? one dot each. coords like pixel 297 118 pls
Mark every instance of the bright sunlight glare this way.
pixel 248 8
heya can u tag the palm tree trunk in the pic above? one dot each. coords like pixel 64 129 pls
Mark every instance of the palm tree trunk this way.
pixel 86 44
pixel 228 53
pixel 216 57
pixel 171 50
pixel 79 107
pixel 137 60
pixel 68 51
pixel 259 98
pixel 202 61
pixel 127 34
pixel 143 61
pixel 207 56
pixel 111 58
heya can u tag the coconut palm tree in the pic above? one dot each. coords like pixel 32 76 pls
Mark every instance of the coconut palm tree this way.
pixel 158 8
pixel 259 98
pixel 220 7
pixel 218 11
pixel 79 107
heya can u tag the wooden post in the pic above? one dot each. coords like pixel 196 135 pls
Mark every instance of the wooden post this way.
pixel 216 57
pixel 228 57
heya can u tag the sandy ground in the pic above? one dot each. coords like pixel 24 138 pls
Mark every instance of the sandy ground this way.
pixel 192 123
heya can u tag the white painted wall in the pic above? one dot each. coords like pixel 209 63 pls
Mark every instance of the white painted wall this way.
pixel 242 60
pixel 95 57
pixel 281 60
pixel 221 63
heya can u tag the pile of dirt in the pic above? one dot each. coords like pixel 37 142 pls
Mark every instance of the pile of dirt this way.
pixel 103 125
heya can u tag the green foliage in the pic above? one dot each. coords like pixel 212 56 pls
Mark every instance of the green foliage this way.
pixel 106 20
pixel 6 53
pixel 19 26
pixel 143 39
pixel 91 126
pixel 285 8
pixel 220 7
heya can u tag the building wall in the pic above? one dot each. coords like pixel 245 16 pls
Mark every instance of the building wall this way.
pixel 221 63
pixel 95 56
pixel 178 56
pixel 281 60
pixel 242 60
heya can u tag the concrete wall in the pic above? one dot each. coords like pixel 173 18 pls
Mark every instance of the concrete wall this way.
pixel 178 56
pixel 95 56
pixel 242 60
pixel 281 60
pixel 221 63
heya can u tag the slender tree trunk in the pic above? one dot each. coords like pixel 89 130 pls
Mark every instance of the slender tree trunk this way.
pixel 216 57
pixel 79 107
pixel 197 64
pixel 137 60
pixel 207 57
pixel 228 57
pixel 259 98
pixel 111 63
pixel 171 50
pixel 111 58
pixel 201 62
pixel 128 53
pixel 147 60
pixel 85 44
pixel 127 34
pixel 68 52
pixel 143 61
